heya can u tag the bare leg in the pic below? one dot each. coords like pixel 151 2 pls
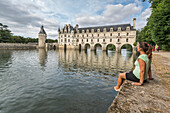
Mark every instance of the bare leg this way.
pixel 121 80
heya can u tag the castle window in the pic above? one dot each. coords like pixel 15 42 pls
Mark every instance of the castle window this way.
pixel 92 30
pixel 97 40
pixel 82 40
pixel 127 34
pixel 61 36
pixel 91 40
pixel 104 30
pixel 98 35
pixel 110 40
pixel 98 30
pixel 92 35
pixel 103 40
pixel 68 35
pixel 111 29
pixel 61 40
pixel 77 35
pixel 64 35
pixel 77 40
pixel 118 34
pixel 68 40
pixel 117 40
pixel 65 40
pixel 82 35
pixel 87 40
pixel 110 34
pixel 104 34
pixel 127 40
pixel 119 28
pixel 87 35
pixel 127 28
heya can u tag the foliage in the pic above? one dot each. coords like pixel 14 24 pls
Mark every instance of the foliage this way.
pixel 111 47
pixel 127 46
pixel 7 37
pixel 135 44
pixel 157 29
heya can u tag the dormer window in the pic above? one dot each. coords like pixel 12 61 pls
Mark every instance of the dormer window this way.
pixel 92 30
pixel 98 30
pixel 111 29
pixel 104 30
pixel 119 28
pixel 127 28
pixel 87 31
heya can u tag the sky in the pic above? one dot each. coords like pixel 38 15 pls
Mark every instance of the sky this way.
pixel 25 17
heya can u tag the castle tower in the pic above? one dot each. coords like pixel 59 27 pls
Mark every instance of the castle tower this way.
pixel 42 38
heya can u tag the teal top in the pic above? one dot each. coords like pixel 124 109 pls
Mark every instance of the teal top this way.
pixel 136 71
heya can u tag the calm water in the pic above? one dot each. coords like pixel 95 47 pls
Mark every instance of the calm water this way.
pixel 39 81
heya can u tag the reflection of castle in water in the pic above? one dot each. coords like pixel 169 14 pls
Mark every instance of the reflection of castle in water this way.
pixel 42 56
pixel 110 61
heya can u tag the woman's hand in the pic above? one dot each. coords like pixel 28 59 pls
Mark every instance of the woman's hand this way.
pixel 137 83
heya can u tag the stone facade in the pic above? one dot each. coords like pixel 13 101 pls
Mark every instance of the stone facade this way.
pixel 80 38
pixel 42 38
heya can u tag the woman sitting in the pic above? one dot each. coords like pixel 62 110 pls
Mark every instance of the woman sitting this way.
pixel 142 67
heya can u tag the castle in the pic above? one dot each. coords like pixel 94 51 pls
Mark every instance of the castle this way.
pixel 71 37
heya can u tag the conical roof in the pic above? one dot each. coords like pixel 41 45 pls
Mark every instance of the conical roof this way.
pixel 42 31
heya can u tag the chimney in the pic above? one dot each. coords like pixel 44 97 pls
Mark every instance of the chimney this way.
pixel 134 21
pixel 77 27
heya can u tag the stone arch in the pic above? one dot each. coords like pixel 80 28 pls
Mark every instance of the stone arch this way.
pixel 86 46
pixel 80 47
pixel 97 45
pixel 111 47
pixel 127 46
pixel 65 46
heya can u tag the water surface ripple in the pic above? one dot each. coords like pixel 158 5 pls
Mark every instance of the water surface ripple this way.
pixel 40 81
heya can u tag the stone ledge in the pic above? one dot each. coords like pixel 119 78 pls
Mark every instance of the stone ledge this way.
pixel 152 97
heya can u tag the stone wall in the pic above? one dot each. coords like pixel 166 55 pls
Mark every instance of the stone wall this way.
pixel 18 46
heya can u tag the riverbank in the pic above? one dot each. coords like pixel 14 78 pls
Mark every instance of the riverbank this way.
pixel 153 96
pixel 18 46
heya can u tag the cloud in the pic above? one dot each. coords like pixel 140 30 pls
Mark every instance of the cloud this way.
pixel 24 17
pixel 112 14
pixel 142 19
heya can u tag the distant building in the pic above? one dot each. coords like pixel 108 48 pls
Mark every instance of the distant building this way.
pixel 71 37
pixel 42 38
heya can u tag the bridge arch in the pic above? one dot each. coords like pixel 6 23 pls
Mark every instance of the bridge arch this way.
pixel 111 47
pixel 80 47
pixel 87 46
pixel 127 46
pixel 97 46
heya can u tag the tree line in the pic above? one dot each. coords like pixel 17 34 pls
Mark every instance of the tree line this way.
pixel 7 37
pixel 157 30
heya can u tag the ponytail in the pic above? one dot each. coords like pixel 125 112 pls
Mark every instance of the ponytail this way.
pixel 149 51
pixel 147 48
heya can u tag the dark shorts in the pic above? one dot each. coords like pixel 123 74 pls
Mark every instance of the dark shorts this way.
pixel 130 76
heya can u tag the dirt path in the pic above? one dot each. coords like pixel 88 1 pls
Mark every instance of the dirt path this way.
pixel 161 62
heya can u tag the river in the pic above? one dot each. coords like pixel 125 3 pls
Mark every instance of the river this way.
pixel 58 81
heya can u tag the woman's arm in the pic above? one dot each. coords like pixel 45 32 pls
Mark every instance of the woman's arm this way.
pixel 142 72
